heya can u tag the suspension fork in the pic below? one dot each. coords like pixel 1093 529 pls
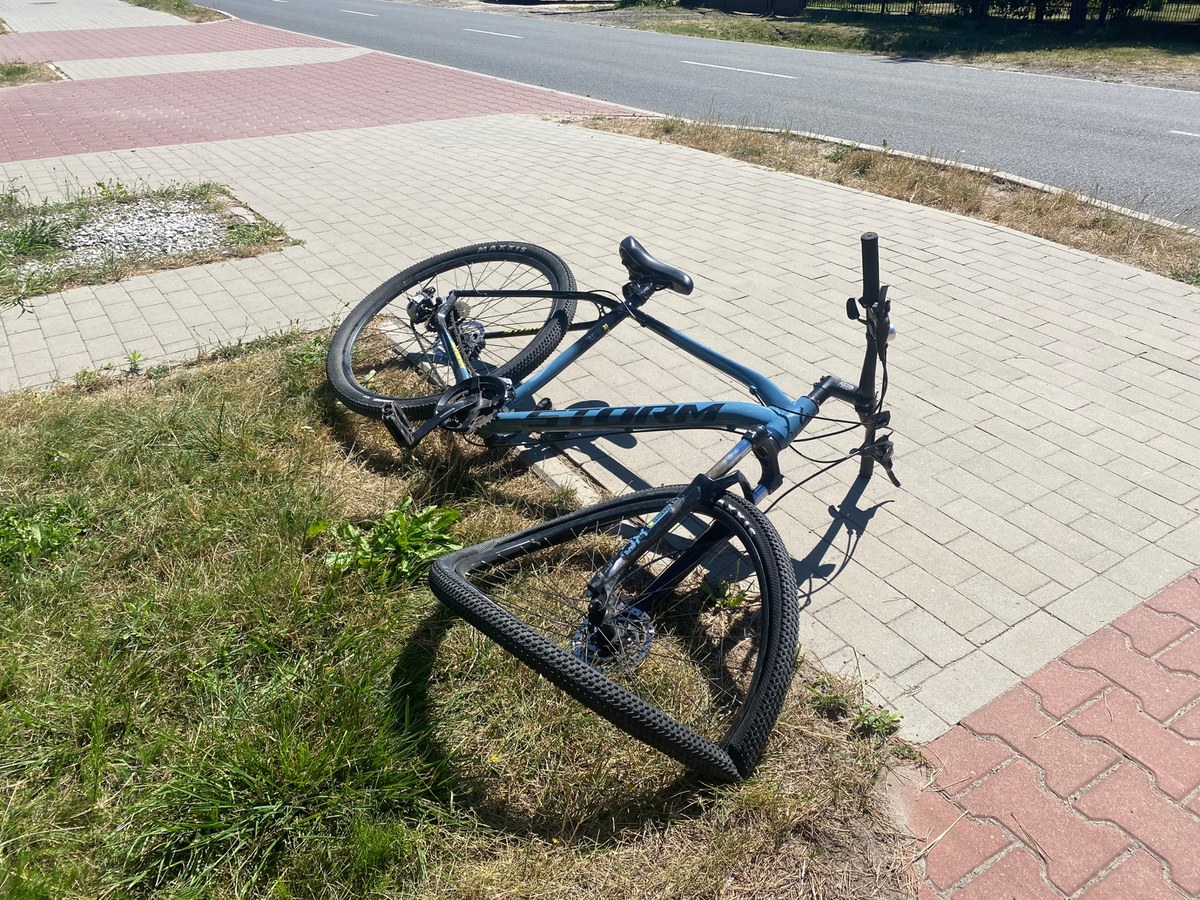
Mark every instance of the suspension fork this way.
pixel 704 489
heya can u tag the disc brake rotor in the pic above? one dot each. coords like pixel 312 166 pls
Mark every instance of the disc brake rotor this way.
pixel 631 645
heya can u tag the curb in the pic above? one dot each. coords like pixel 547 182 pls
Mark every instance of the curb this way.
pixel 982 170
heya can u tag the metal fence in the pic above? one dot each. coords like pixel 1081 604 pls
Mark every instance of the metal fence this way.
pixel 1079 12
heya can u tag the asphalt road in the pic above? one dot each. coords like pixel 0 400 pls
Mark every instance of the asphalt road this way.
pixel 1136 146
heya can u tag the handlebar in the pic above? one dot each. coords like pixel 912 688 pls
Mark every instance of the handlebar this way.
pixel 863 396
pixel 870 268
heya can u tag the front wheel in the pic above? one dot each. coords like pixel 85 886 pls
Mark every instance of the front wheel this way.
pixel 705 635
pixel 387 350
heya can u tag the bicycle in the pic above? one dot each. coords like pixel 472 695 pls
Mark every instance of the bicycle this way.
pixel 672 612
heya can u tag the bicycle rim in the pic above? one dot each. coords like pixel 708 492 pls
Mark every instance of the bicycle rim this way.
pixel 381 355
pixel 702 664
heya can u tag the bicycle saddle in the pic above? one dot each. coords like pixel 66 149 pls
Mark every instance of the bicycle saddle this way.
pixel 643 266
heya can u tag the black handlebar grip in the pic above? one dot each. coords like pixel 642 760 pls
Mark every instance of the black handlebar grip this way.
pixel 870 267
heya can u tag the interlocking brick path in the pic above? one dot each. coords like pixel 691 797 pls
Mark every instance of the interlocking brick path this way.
pixel 911 587
pixel 126 66
pixel 159 40
pixel 1083 781
pixel 187 107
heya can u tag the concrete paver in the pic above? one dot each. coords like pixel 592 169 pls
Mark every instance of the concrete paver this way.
pixel 138 111
pixel 1072 749
pixel 81 69
pixel 1044 399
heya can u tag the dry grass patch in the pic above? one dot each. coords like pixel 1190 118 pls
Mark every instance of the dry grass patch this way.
pixel 1062 217
pixel 14 73
pixel 181 8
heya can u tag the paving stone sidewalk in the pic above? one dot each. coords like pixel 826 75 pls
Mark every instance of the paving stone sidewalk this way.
pixel 167 39
pixel 75 15
pixel 1083 781
pixel 1047 406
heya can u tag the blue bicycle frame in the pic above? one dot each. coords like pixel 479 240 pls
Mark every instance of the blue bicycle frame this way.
pixel 768 426
pixel 776 416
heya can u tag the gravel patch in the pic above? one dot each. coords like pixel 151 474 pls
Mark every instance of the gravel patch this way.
pixel 144 229
pixel 112 233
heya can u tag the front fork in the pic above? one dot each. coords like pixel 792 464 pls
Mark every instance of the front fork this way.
pixel 704 489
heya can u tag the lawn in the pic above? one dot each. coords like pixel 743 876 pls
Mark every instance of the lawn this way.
pixel 209 687
pixel 182 8
pixel 13 73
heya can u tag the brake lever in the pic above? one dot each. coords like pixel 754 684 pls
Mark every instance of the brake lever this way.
pixel 882 452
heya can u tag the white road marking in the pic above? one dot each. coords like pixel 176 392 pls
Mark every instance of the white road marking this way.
pixel 280 1
pixel 519 37
pixel 1187 133
pixel 355 12
pixel 688 62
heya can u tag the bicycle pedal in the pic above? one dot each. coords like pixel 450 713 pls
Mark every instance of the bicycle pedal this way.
pixel 398 426
pixel 545 403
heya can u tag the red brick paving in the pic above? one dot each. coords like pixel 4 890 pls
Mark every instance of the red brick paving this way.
pixel 1188 724
pixel 143 111
pixel 1015 877
pixel 1173 761
pixel 964 757
pixel 1128 799
pixel 1072 848
pixel 1067 761
pixel 1182 599
pixel 156 40
pixel 1162 693
pixel 1140 876
pixel 1149 630
pixel 1085 778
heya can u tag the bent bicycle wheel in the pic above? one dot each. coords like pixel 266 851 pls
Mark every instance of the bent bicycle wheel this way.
pixel 707 622
pixel 387 351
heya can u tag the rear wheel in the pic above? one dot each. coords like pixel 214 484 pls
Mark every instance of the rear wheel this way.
pixel 705 635
pixel 387 350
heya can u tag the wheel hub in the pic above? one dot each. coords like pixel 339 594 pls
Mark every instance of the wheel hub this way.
pixel 627 643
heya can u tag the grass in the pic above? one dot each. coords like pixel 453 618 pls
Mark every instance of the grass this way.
pixel 194 702
pixel 181 8
pixel 35 238
pixel 14 73
pixel 1062 217
pixel 1168 50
